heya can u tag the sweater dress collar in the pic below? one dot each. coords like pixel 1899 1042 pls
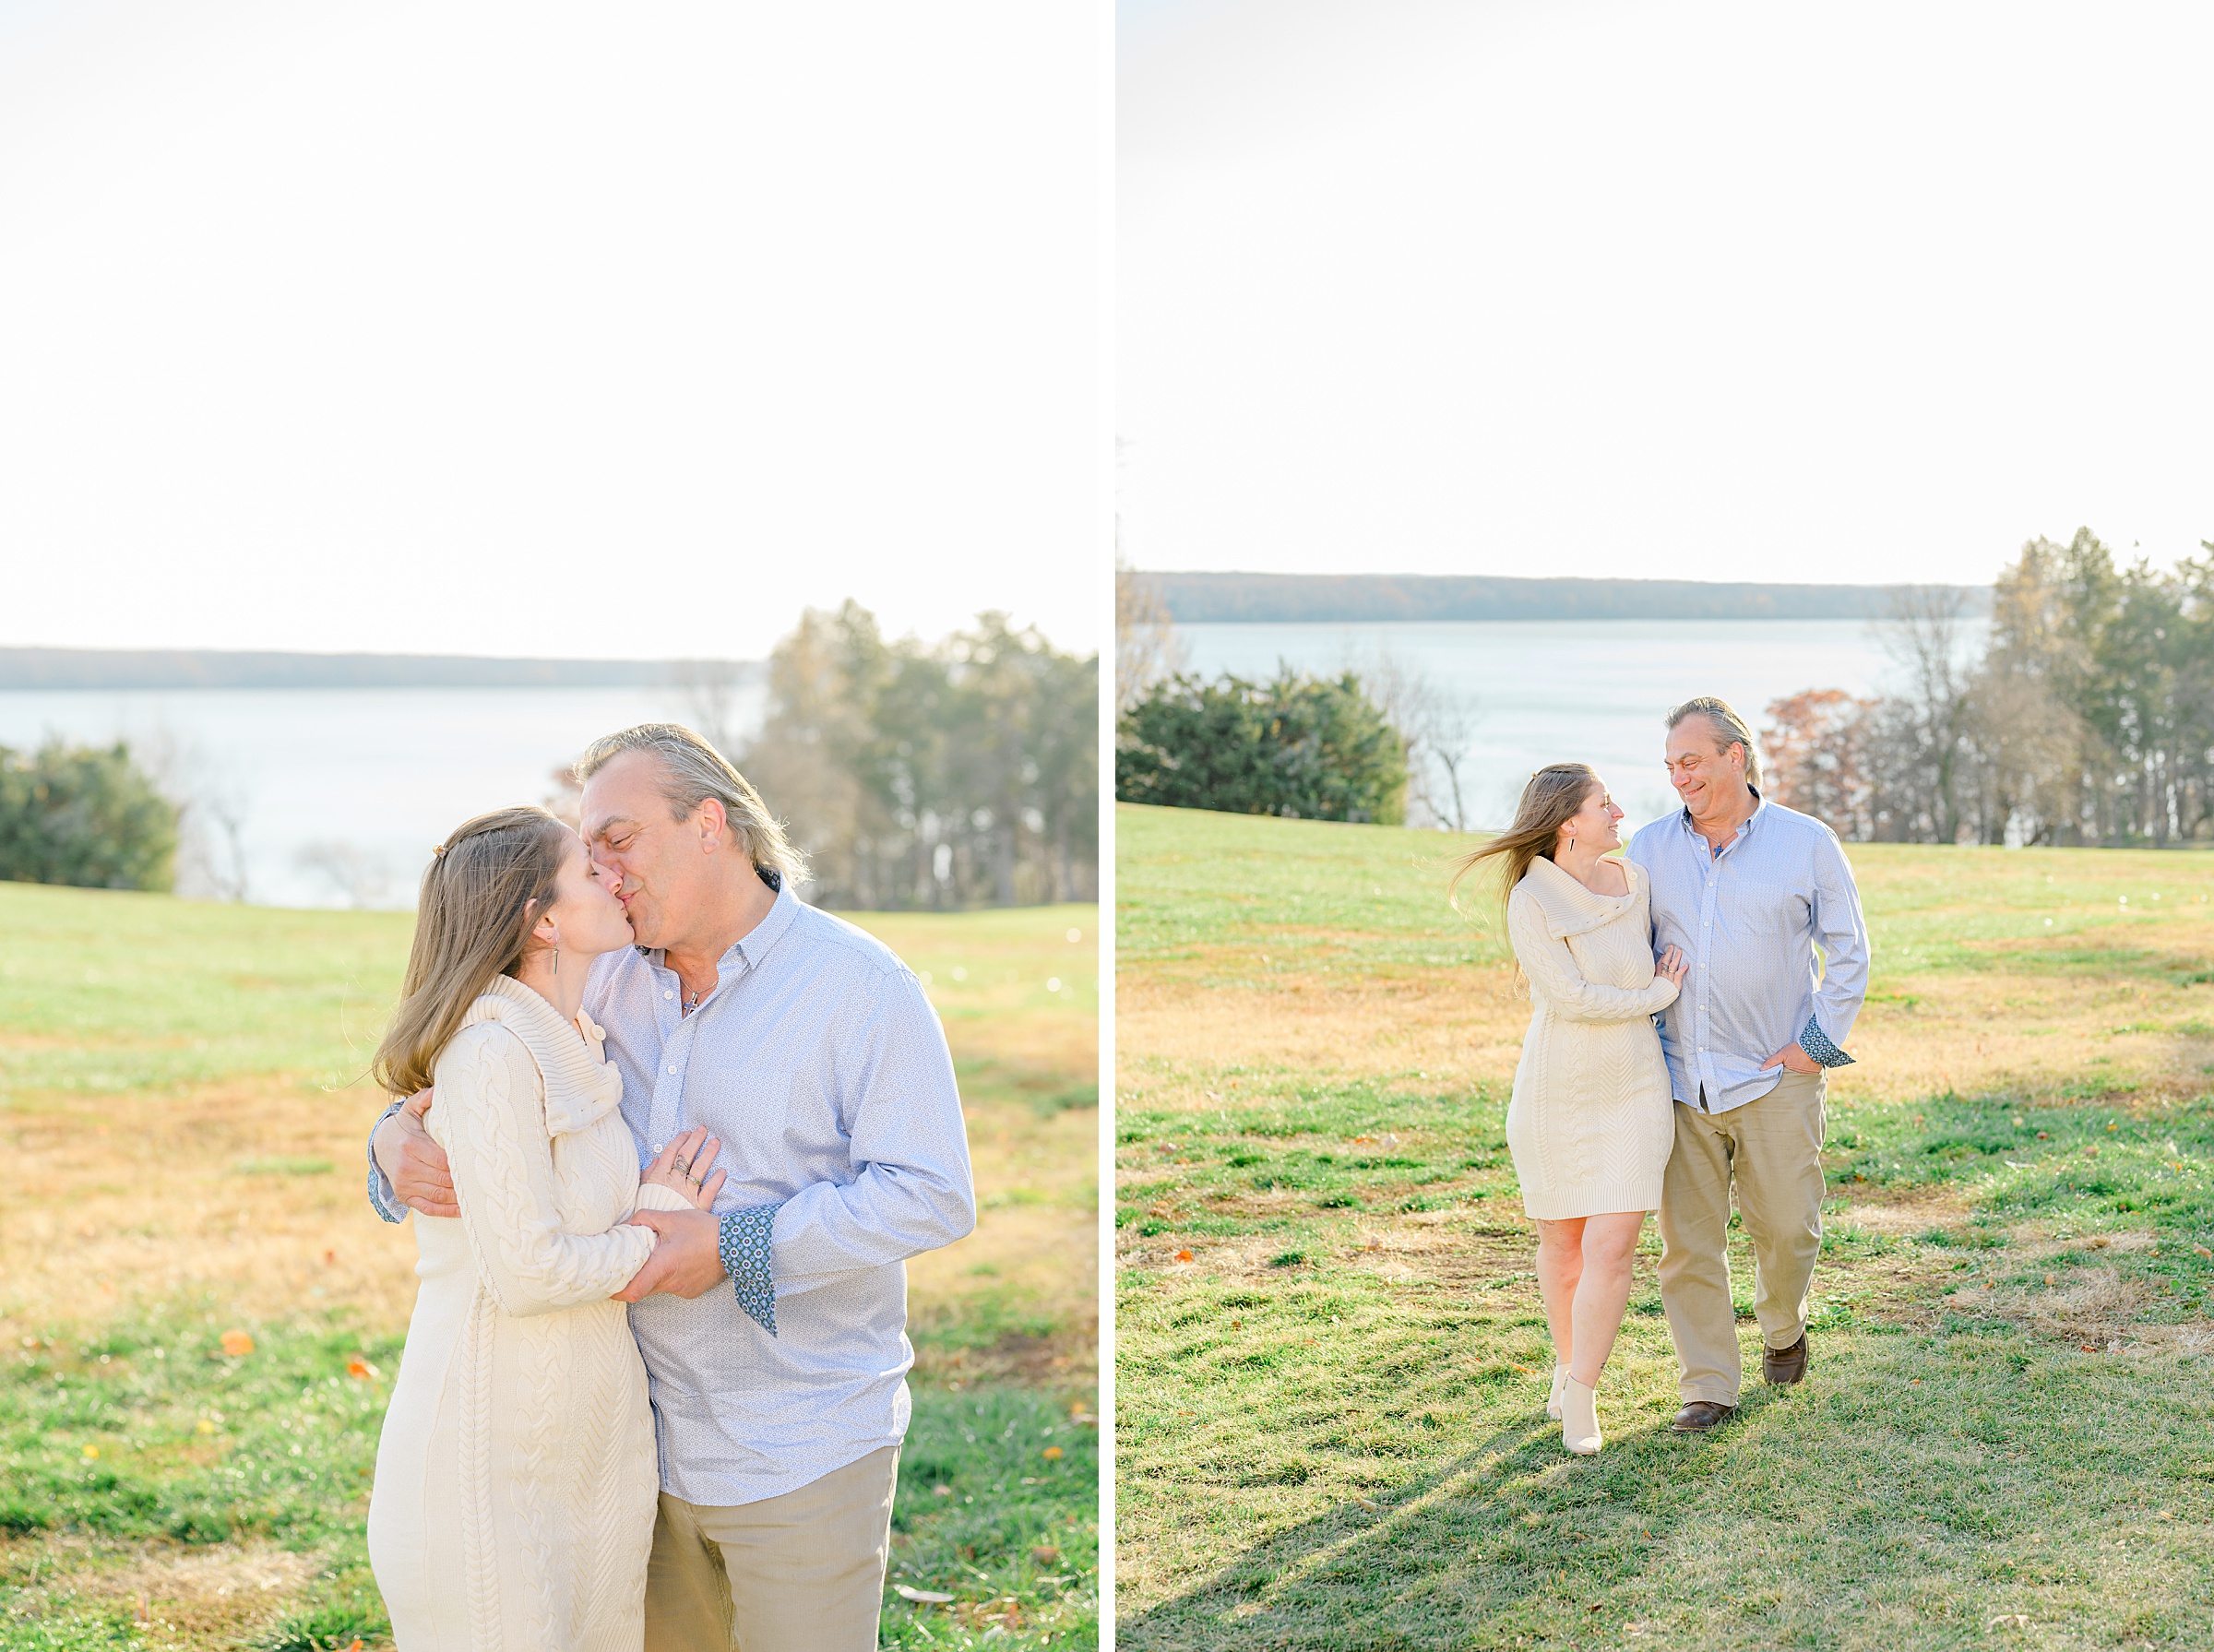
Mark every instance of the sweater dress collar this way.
pixel 1570 909
pixel 582 1086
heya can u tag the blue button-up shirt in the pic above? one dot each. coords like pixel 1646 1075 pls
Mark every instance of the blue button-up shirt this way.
pixel 1777 948
pixel 821 1065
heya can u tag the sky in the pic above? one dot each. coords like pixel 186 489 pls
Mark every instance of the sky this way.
pixel 1730 291
pixel 547 328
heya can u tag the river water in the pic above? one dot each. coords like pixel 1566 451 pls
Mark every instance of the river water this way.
pixel 1548 691
pixel 340 793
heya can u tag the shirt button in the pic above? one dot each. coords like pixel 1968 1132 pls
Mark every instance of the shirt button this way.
pixel 672 1071
pixel 667 994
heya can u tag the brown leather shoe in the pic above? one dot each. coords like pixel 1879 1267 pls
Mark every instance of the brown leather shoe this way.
pixel 1784 1365
pixel 1700 1415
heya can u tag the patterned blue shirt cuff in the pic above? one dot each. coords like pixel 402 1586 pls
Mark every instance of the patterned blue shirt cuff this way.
pixel 742 1240
pixel 1818 1048
pixel 381 1199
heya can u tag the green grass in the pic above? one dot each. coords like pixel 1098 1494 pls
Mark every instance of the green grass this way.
pixel 151 1432
pixel 1312 893
pixel 114 992
pixel 129 1438
pixel 1331 1358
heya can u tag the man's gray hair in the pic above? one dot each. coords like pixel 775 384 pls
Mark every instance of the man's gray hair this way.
pixel 694 771
pixel 1723 717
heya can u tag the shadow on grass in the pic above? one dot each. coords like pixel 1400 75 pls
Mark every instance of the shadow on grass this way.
pixel 1919 1492
pixel 1318 1583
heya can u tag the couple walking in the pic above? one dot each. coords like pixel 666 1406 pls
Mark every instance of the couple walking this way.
pixel 1680 1036
pixel 668 1135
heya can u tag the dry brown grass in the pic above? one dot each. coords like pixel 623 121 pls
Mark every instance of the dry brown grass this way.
pixel 220 1594
pixel 2016 1026
pixel 110 1202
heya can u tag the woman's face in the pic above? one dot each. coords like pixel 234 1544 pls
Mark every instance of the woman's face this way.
pixel 585 914
pixel 1595 825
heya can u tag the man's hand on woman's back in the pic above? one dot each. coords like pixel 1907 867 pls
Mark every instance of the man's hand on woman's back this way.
pixel 412 1162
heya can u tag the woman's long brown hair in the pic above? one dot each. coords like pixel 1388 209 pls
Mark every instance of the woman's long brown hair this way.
pixel 1556 795
pixel 486 886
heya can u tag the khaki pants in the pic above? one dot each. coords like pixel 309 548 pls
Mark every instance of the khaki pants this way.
pixel 800 1572
pixel 1772 1148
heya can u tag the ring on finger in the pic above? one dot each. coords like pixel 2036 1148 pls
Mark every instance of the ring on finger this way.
pixel 683 1166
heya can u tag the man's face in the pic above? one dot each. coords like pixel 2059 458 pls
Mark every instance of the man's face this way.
pixel 657 862
pixel 1705 776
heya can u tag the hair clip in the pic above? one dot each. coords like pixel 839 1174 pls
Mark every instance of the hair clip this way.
pixel 439 852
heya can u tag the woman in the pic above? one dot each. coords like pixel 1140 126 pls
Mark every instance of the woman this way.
pixel 516 1477
pixel 1592 1120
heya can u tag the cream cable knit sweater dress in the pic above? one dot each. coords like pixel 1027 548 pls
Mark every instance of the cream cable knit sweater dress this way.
pixel 516 1477
pixel 1592 1120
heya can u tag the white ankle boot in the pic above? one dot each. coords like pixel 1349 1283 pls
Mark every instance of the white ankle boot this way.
pixel 1552 1401
pixel 1579 1419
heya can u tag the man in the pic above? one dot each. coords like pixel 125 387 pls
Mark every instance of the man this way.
pixel 1750 890
pixel 773 1329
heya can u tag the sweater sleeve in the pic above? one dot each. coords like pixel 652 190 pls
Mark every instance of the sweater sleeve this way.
pixel 495 1138
pixel 1552 972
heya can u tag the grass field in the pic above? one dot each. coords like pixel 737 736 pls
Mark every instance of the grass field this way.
pixel 182 1113
pixel 1331 1360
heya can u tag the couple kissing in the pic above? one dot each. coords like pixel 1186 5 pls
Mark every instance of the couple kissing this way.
pixel 668 1135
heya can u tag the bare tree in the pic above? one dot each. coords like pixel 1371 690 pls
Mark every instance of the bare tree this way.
pixel 213 803
pixel 1923 633
pixel 226 802
pixel 1438 723
pixel 566 800
pixel 711 691
pixel 1146 647
pixel 362 879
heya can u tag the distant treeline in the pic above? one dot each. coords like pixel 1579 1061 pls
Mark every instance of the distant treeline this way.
pixel 2087 717
pixel 959 773
pixel 24 669
pixel 1197 598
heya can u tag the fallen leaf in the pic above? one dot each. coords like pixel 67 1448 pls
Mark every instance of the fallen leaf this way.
pixel 237 1344
pixel 1367 1502
pixel 205 1426
pixel 359 1367
pixel 943 1490
pixel 1053 1453
pixel 1183 1255
pixel 922 1596
pixel 1047 1556
pixel 329 1257
pixel 91 1451
pixel 2203 1251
